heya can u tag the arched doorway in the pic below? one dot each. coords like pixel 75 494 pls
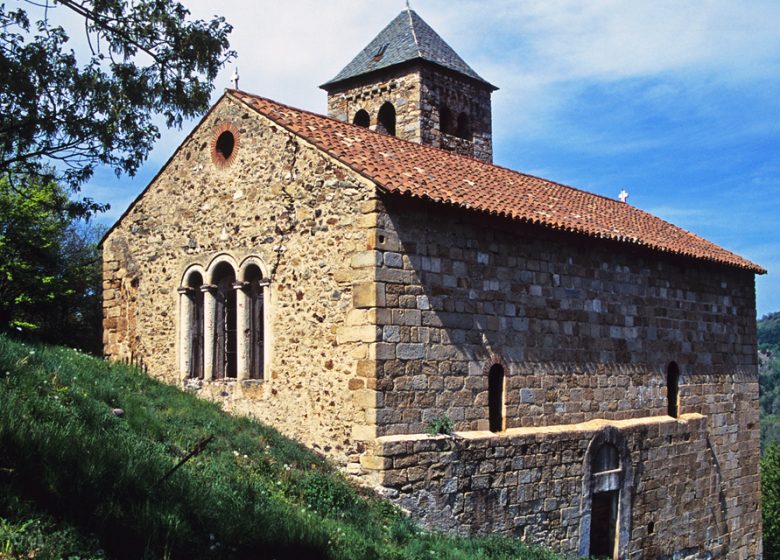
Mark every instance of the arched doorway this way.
pixel 605 522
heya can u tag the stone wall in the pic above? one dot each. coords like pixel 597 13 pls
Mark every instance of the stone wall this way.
pixel 585 328
pixel 304 216
pixel 528 483
pixel 400 87
pixel 459 96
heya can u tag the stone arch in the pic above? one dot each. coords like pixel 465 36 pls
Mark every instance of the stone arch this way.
pixel 191 323
pixel 673 390
pixel 253 261
pixel 605 506
pixel 215 262
pixel 386 119
pixel 362 118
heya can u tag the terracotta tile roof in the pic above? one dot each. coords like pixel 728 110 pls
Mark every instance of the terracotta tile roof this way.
pixel 406 168
pixel 406 38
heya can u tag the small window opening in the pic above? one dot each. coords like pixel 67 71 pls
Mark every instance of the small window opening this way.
pixel 225 343
pixel 445 119
pixel 386 119
pixel 673 390
pixel 496 397
pixel 464 127
pixel 256 324
pixel 651 528
pixel 606 459
pixel 362 119
pixel 226 142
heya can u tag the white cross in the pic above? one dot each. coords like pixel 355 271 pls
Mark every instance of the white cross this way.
pixel 623 196
pixel 234 79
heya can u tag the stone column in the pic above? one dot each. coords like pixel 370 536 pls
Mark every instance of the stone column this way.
pixel 243 331
pixel 186 309
pixel 209 329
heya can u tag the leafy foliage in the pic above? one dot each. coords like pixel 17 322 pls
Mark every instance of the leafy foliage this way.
pixel 441 425
pixel 62 116
pixel 250 494
pixel 49 267
pixel 770 500
pixel 769 378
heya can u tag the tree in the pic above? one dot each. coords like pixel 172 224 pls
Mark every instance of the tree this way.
pixel 770 501
pixel 61 117
pixel 49 267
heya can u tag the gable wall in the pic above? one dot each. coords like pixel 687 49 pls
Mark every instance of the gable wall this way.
pixel 301 213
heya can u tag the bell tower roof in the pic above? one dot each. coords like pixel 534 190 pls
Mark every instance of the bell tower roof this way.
pixel 405 39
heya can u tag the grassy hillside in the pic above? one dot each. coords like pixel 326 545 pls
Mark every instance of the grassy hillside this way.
pixel 769 377
pixel 79 481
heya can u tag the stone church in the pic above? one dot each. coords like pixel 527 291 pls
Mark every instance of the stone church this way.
pixel 349 279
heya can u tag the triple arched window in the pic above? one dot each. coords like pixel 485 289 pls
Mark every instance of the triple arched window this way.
pixel 222 331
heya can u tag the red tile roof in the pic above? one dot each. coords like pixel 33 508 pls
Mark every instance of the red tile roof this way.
pixel 406 168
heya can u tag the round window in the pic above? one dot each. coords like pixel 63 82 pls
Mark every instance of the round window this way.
pixel 224 145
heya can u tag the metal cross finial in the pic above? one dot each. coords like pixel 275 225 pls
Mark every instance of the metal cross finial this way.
pixel 407 5
pixel 234 79
pixel 623 196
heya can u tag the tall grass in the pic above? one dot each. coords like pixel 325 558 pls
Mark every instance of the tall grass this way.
pixel 251 494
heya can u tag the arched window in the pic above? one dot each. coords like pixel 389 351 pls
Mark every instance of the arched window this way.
pixel 464 127
pixel 191 326
pixel 445 119
pixel 606 496
pixel 225 353
pixel 496 397
pixel 362 119
pixel 386 119
pixel 673 390
pixel 255 321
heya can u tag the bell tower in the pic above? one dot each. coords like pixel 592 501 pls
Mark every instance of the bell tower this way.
pixel 410 83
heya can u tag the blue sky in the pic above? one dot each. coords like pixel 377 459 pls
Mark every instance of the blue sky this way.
pixel 676 102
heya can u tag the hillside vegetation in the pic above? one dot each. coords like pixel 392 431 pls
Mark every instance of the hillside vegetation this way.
pixel 769 377
pixel 79 479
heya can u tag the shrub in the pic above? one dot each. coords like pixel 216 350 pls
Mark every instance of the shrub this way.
pixel 440 425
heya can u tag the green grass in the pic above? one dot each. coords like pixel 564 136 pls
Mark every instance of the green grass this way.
pixel 76 481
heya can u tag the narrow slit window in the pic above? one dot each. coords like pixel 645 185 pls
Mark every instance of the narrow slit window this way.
pixel 496 398
pixel 673 390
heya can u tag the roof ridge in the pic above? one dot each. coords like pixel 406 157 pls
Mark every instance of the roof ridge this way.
pixel 414 33
pixel 410 169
